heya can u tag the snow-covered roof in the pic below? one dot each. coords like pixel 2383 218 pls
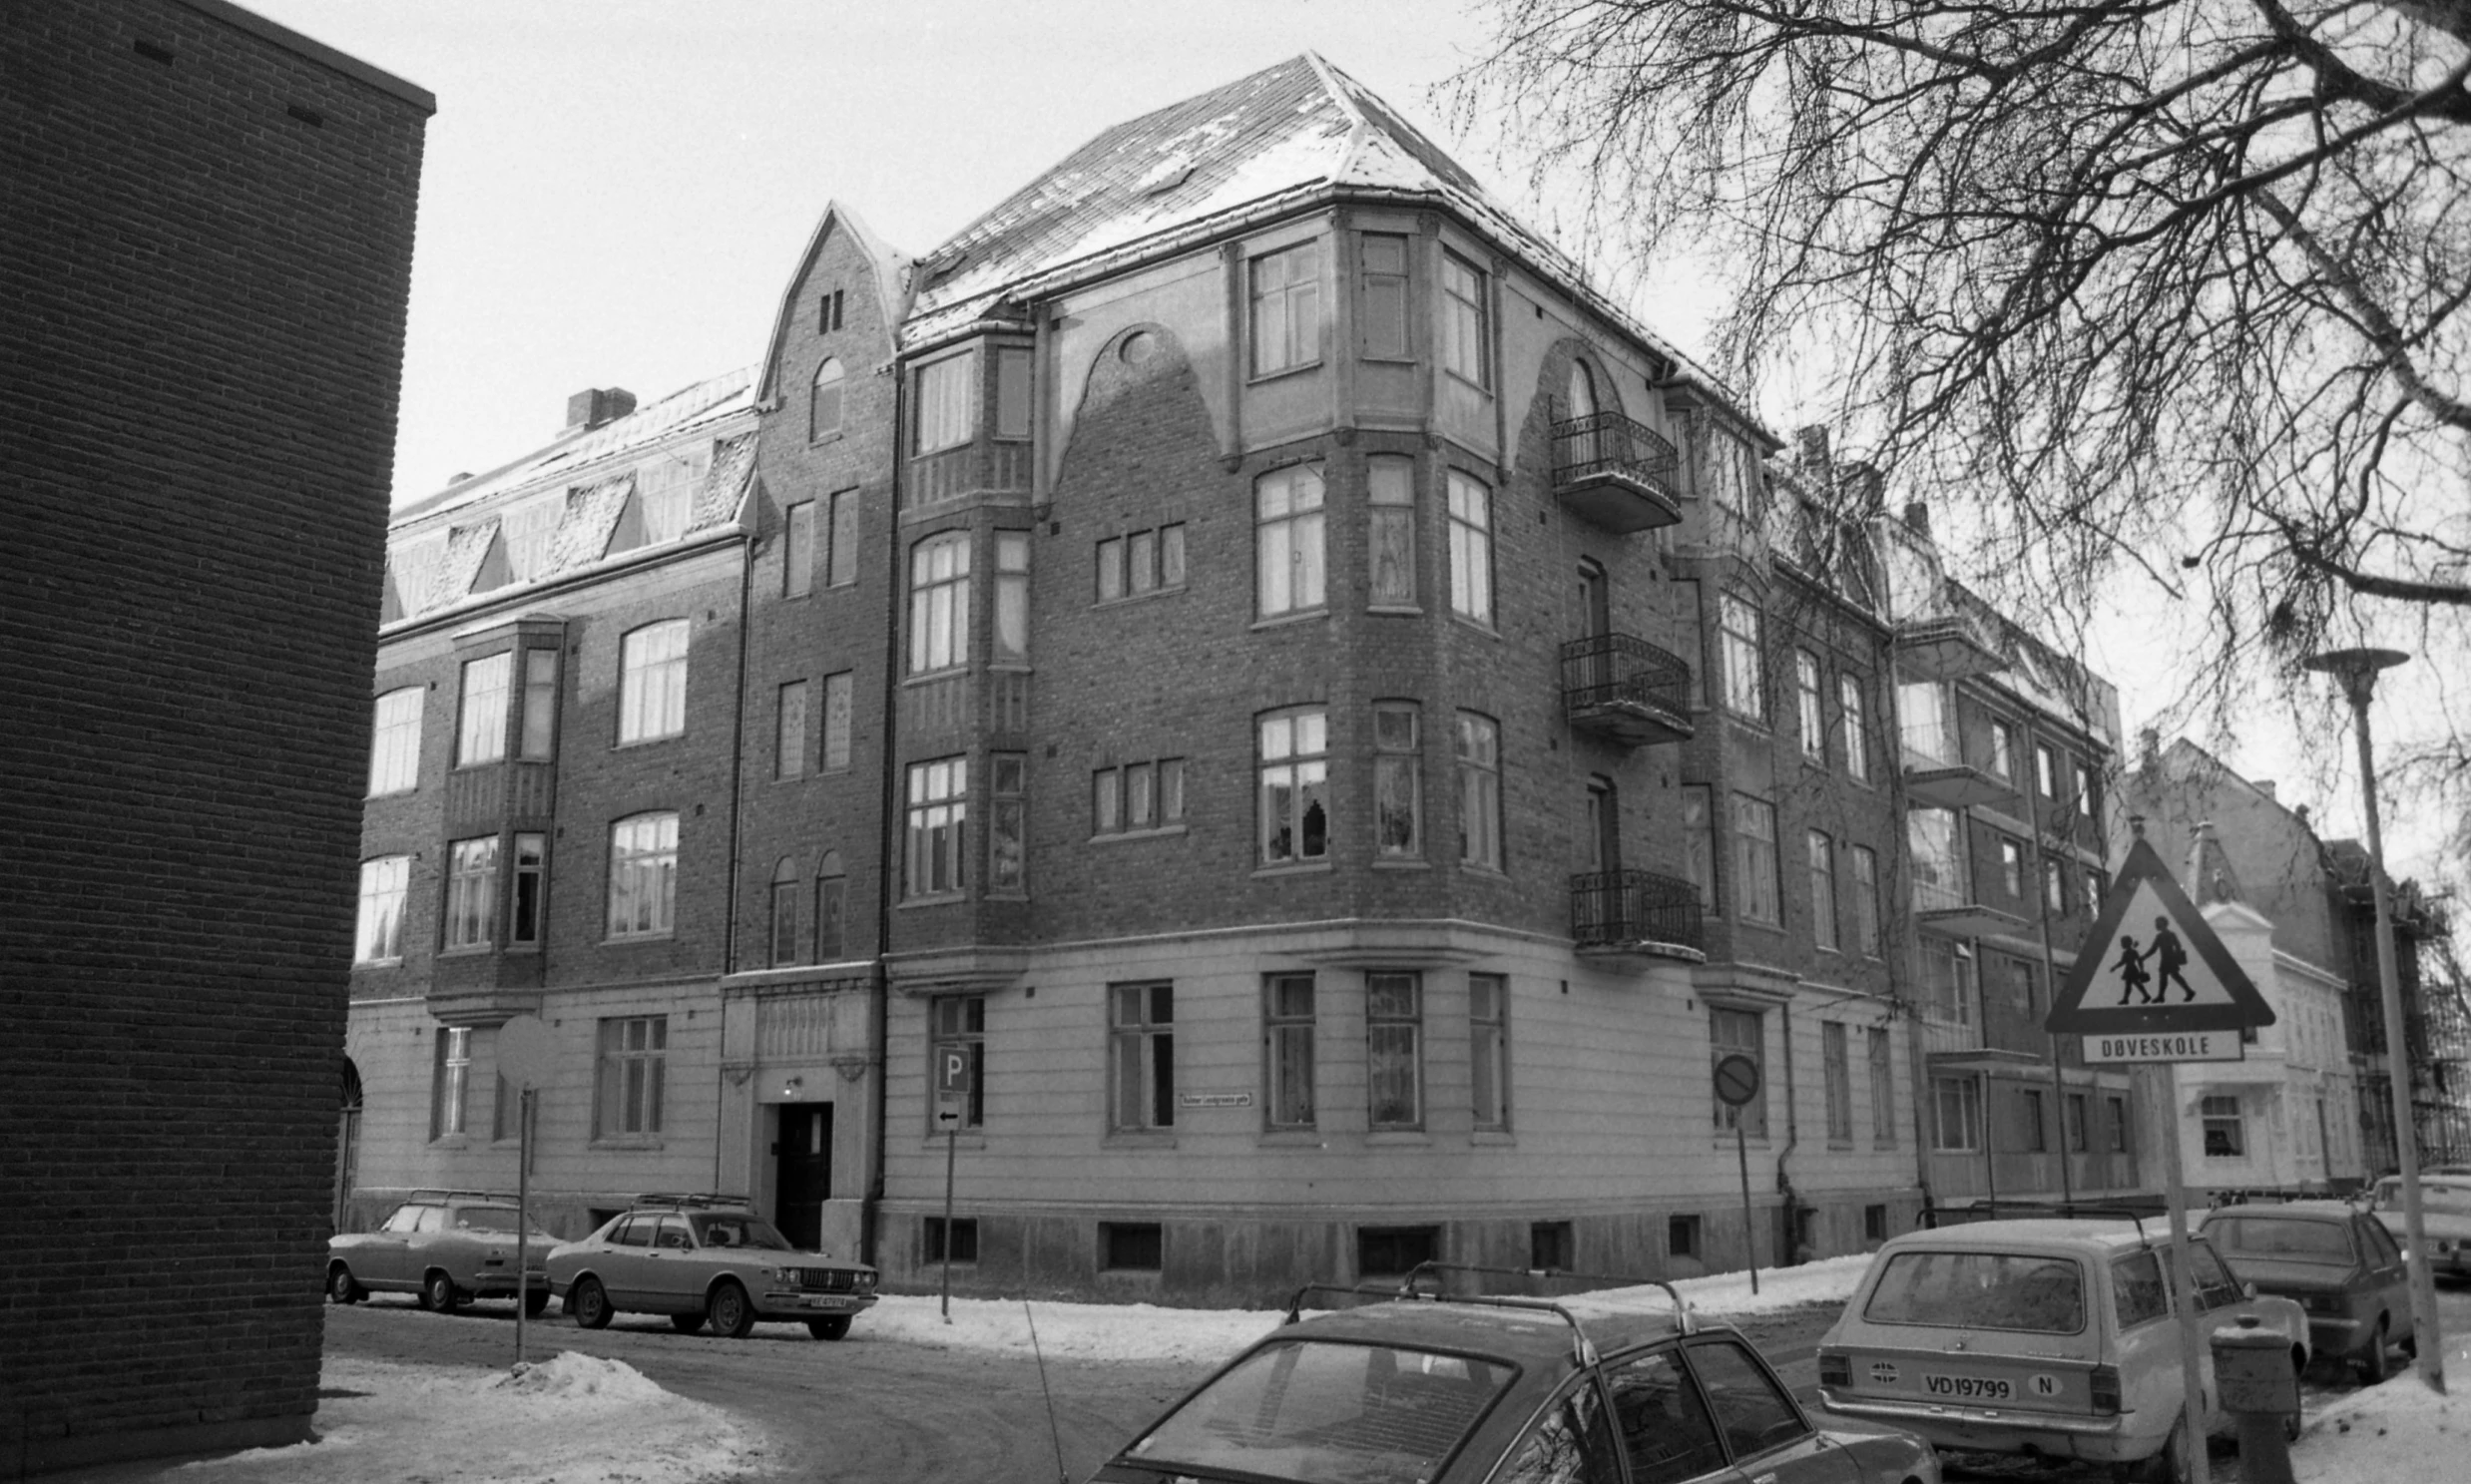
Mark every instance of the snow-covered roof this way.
pixel 1282 137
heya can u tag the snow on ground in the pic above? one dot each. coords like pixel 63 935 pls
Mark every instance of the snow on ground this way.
pixel 576 1420
pixel 2397 1433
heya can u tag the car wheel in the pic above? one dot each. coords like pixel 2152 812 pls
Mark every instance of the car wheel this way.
pixel 587 1301
pixel 342 1288
pixel 686 1323
pixel 2372 1364
pixel 733 1314
pixel 535 1302
pixel 439 1294
pixel 2171 1465
pixel 830 1327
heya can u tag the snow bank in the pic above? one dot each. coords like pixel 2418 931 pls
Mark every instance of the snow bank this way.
pixel 2391 1433
pixel 577 1419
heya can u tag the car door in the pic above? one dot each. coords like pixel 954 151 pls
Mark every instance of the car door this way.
pixel 622 1262
pixel 382 1262
pixel 2388 1269
pixel 1662 1420
pixel 673 1279
pixel 1770 1442
pixel 420 1247
pixel 1569 1442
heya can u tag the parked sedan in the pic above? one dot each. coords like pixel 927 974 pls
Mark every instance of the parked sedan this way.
pixel 1460 1390
pixel 2334 1261
pixel 2445 1214
pixel 446 1246
pixel 706 1257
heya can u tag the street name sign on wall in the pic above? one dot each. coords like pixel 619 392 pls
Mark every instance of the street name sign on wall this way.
pixel 2152 978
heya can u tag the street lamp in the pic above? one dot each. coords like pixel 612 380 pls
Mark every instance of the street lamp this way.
pixel 2357 671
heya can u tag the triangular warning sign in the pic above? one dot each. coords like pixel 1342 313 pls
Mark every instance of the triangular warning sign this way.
pixel 2153 964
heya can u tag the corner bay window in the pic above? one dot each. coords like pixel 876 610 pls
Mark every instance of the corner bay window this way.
pixel 1488 1048
pixel 946 402
pixel 1288 545
pixel 643 876
pixel 939 827
pixel 1012 598
pixel 1480 790
pixel 939 602
pixel 1394 1050
pixel 472 893
pixel 450 1081
pixel 1958 1101
pixel 634 1059
pixel 1294 749
pixel 1465 314
pixel 1739 624
pixel 531 888
pixel 1007 822
pixel 1286 294
pixel 1471 548
pixel 383 884
pixel 394 742
pixel 1398 781
pixel 1755 858
pixel 1142 1061
pixel 481 735
pixel 1382 300
pixel 1390 525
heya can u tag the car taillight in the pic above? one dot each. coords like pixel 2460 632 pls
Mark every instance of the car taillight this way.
pixel 2322 1303
pixel 2106 1387
pixel 1835 1370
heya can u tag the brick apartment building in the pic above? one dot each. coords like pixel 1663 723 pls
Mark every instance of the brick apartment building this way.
pixel 1330 725
pixel 204 270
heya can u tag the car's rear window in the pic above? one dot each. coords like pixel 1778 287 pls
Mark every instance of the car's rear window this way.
pixel 1329 1413
pixel 492 1218
pixel 1981 1291
pixel 2285 1240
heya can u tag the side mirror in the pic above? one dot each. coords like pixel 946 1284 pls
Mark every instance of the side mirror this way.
pixel 2249 1288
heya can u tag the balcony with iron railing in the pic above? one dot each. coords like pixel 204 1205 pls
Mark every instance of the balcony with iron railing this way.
pixel 1947 647
pixel 1629 911
pixel 1937 776
pixel 1615 473
pixel 1944 905
pixel 1627 690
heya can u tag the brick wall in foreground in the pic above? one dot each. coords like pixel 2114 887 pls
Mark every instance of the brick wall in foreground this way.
pixel 203 272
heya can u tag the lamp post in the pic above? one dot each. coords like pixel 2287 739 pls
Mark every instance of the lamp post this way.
pixel 2357 671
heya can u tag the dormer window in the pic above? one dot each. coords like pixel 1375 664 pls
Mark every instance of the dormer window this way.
pixel 824 401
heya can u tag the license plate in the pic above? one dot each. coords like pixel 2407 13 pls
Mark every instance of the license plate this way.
pixel 1969 1388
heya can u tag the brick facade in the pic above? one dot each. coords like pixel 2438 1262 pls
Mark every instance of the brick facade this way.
pixel 205 270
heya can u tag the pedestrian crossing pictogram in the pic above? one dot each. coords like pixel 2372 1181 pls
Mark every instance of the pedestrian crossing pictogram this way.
pixel 2153 965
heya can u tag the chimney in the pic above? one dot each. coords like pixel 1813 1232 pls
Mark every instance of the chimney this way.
pixel 1917 517
pixel 2148 749
pixel 2265 787
pixel 594 405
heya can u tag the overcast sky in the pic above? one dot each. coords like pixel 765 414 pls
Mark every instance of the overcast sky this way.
pixel 614 191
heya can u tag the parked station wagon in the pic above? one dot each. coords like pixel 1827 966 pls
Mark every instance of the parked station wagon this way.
pixel 446 1246
pixel 1425 1389
pixel 706 1257
pixel 2051 1337
pixel 2445 1214
pixel 2334 1260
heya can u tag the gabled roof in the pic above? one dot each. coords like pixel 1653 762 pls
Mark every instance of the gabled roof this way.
pixel 1285 135
pixel 892 276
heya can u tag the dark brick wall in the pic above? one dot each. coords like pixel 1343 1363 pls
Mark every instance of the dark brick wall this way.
pixel 205 311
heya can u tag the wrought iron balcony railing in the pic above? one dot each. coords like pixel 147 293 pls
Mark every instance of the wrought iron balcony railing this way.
pixel 1632 908
pixel 1626 689
pixel 1619 474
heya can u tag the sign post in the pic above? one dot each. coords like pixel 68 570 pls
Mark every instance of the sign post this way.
pixel 1736 1083
pixel 525 1051
pixel 2153 996
pixel 952 1081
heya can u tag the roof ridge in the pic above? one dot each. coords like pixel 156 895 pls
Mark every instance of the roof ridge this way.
pixel 1335 83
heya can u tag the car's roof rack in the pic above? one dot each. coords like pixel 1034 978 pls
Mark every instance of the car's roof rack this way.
pixel 1934 1216
pixel 427 1192
pixel 684 1199
pixel 1407 1288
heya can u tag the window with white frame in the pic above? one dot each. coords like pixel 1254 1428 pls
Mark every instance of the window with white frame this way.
pixel 947 403
pixel 1141 563
pixel 1812 707
pixel 781 914
pixel 1294 809
pixel 481 735
pixel 1013 404
pixel 539 730
pixel 2046 771
pixel 832 907
pixel 1822 859
pixel 1136 797
pixel 1390 527
pixel 840 556
pixel 797 550
pixel 1882 1090
pixel 472 893
pixel 1741 1033
pixel 836 707
pixel 652 682
pixel 1936 850
pixel 450 1081
pixel 1480 790
pixel 1286 292
pixel 790 731
pixel 2226 1133
pixel 1754 859
pixel 1740 623
pixel 1471 548
pixel 643 876
pixel 1288 1021
pixel 1466 350
pixel 1398 781
pixel 1288 541
pixel 394 742
pixel 1488 1048
pixel 1854 717
pixel 2054 885
pixel 2003 751
pixel 531 895
pixel 1394 1049
pixel 1958 1101
pixel 1947 980
pixel 631 1077
pixel 2012 868
pixel 1008 842
pixel 1142 1056
pixel 939 602
pixel 824 401
pixel 1012 598
pixel 384 884
pixel 939 827
pixel 1381 302
pixel 1836 1068
pixel 1864 864
pixel 665 495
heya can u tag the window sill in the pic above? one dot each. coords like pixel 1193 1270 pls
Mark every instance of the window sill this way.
pixel 451 1141
pixel 1292 1139
pixel 1139 1139
pixel 377 963
pixel 616 940
pixel 623 743
pixel 1284 620
pixel 627 1141
pixel 468 950
pixel 1395 610
pixel 1492 1139
pixel 930 677
pixel 1164 590
pixel 1294 869
pixel 1484 627
pixel 1402 866
pixel 1479 869
pixel 1396 1138
pixel 1390 361
pixel 1128 836
pixel 1462 378
pixel 392 793
pixel 940 899
pixel 1281 373
pixel 818 440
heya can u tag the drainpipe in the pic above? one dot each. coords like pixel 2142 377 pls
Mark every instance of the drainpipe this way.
pixel 1903 943
pixel 738 845
pixel 2050 972
pixel 879 993
pixel 1788 1254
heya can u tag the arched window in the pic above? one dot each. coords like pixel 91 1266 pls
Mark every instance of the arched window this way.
pixel 832 906
pixel 785 912
pixel 824 401
pixel 1582 389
